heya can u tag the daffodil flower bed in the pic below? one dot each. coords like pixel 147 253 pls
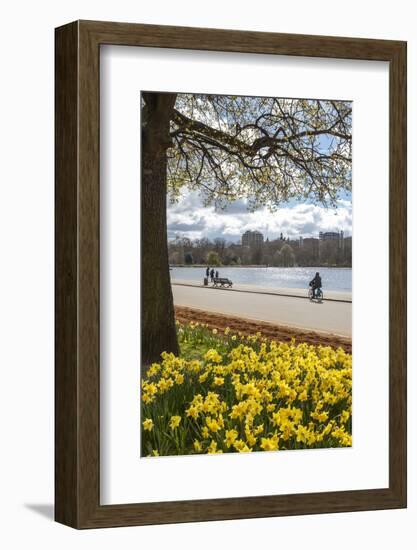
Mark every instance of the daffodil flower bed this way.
pixel 231 393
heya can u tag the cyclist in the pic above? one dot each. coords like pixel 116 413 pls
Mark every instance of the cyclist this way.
pixel 315 283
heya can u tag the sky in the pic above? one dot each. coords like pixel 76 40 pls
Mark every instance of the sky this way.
pixel 190 218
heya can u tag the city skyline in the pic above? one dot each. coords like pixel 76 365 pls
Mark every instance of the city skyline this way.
pixel 330 248
pixel 190 218
pixel 255 238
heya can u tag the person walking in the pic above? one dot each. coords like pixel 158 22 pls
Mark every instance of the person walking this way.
pixel 208 272
pixel 217 274
pixel 212 274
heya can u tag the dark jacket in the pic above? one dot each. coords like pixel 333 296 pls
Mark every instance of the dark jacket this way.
pixel 316 282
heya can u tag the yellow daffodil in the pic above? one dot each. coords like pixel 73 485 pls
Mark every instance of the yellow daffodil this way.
pixel 174 422
pixel 197 446
pixel 269 443
pixel 212 448
pixel 213 356
pixel 147 424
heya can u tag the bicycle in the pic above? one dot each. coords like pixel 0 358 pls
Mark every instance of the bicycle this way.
pixel 319 294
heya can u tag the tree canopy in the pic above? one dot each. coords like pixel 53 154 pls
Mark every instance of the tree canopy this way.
pixel 268 150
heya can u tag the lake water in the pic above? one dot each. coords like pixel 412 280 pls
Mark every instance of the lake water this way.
pixel 339 278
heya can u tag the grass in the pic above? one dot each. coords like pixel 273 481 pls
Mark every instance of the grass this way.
pixel 196 339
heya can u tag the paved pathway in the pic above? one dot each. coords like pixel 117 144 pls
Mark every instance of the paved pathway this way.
pixel 329 316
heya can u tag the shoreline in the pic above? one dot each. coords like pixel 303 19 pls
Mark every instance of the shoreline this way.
pixel 263 266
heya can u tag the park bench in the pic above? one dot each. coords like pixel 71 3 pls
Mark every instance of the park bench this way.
pixel 222 282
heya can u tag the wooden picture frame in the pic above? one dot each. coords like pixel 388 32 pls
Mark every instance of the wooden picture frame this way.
pixel 77 382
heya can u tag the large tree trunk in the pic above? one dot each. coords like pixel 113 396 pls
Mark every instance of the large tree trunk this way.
pixel 158 321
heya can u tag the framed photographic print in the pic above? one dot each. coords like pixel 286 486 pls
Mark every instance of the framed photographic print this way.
pixel 230 274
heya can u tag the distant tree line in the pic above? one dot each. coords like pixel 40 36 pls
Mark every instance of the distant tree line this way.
pixel 281 252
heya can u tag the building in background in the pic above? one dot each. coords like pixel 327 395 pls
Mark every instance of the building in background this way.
pixel 252 238
pixel 331 247
pixel 332 236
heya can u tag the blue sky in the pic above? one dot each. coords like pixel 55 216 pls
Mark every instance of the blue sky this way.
pixel 190 218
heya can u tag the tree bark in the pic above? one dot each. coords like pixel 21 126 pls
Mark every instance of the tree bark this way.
pixel 158 319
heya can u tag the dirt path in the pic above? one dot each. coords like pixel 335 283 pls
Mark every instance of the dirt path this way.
pixel 269 330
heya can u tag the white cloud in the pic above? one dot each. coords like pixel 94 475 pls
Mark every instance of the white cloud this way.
pixel 189 218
